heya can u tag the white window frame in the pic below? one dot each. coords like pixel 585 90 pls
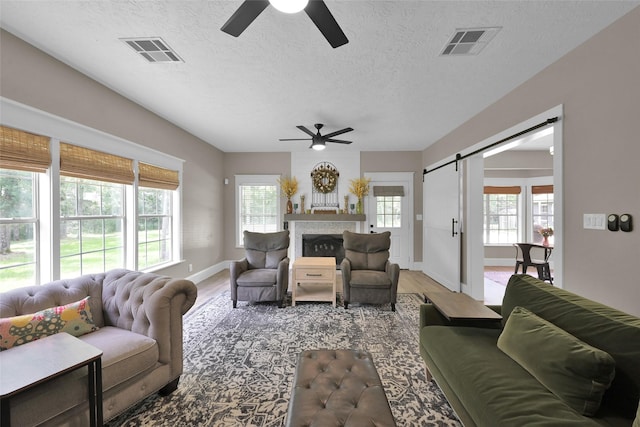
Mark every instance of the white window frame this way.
pixel 241 180
pixel 523 220
pixel 24 117
pixel 35 221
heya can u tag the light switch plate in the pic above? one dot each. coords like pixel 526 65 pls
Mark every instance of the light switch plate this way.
pixel 595 221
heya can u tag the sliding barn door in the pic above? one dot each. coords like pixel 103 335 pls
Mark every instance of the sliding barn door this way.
pixel 441 250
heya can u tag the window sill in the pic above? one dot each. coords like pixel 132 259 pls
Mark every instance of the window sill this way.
pixel 162 266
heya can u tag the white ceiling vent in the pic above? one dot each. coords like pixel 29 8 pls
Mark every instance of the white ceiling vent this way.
pixel 153 49
pixel 469 41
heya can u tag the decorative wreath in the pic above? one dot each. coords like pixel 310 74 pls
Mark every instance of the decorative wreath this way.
pixel 325 178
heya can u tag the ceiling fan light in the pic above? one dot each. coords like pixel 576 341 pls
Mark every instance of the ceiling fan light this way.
pixel 289 6
pixel 318 146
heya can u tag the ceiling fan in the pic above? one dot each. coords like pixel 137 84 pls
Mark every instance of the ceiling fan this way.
pixel 316 9
pixel 318 141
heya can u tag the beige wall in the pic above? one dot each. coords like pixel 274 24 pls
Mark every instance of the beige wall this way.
pixel 400 161
pixel 598 85
pixel 247 164
pixel 33 78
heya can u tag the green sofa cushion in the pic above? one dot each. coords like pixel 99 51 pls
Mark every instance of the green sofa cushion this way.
pixel 574 371
pixel 596 324
pixel 494 389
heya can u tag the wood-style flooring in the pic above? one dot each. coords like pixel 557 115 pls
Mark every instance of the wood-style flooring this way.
pixel 410 282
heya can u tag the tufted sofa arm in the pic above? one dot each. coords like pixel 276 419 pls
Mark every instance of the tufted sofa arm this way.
pixel 150 305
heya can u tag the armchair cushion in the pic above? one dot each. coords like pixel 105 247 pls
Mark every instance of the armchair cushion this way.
pixel 367 251
pixel 258 277
pixel 369 279
pixel 266 250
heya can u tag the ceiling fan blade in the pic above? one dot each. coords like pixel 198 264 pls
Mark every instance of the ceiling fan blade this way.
pixel 295 139
pixel 339 141
pixel 244 16
pixel 326 23
pixel 338 132
pixel 307 131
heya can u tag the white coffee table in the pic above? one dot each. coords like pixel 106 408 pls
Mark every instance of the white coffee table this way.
pixel 314 279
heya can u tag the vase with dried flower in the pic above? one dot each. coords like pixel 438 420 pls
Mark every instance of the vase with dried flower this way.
pixel 546 233
pixel 359 187
pixel 289 187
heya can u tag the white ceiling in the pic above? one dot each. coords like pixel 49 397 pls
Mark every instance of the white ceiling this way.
pixel 242 94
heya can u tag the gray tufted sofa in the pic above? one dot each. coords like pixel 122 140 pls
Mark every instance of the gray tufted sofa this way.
pixel 140 320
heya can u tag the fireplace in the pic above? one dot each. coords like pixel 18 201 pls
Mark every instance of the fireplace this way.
pixel 323 245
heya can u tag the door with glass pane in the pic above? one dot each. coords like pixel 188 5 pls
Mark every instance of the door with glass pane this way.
pixel 388 210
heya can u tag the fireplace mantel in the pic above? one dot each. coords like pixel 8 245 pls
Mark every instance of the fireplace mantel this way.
pixel 325 217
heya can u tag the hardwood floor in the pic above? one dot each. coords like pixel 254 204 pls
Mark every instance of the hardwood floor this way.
pixel 410 282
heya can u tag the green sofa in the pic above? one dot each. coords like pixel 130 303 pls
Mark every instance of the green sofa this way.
pixel 501 374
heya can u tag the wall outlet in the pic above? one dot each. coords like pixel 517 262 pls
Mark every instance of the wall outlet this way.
pixel 190 268
pixel 594 221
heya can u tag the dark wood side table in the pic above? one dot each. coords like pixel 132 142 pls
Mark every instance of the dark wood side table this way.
pixel 459 307
pixel 37 362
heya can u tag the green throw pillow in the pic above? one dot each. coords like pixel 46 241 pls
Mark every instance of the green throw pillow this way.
pixel 74 318
pixel 636 422
pixel 576 372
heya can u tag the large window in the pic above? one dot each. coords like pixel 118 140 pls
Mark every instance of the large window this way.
pixel 501 215
pixel 258 204
pixel 69 208
pixel 91 226
pixel 18 228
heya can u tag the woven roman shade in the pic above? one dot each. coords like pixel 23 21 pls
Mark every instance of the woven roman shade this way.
pixel 388 190
pixel 542 189
pixel 157 177
pixel 24 151
pixel 502 190
pixel 80 162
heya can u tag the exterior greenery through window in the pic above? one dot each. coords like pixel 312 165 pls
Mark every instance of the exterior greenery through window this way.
pixel 258 204
pixel 91 226
pixel 501 218
pixel 155 226
pixel 18 227
pixel 79 218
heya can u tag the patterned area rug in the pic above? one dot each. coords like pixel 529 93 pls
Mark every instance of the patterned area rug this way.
pixel 239 364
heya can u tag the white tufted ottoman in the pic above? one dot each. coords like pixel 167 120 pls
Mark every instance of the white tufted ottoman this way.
pixel 337 388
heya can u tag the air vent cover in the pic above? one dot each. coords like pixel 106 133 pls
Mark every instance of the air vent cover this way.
pixel 153 49
pixel 469 41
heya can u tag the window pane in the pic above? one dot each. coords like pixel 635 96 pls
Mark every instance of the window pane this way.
pixel 91 227
pixel 501 218
pixel 258 206
pixel 542 215
pixel 388 211
pixel 154 227
pixel 18 262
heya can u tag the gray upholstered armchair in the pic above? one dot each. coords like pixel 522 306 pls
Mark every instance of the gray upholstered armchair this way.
pixel 263 275
pixel 367 274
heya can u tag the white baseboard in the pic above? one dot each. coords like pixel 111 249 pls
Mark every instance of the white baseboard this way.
pixel 208 272
pixel 500 262
pixel 416 266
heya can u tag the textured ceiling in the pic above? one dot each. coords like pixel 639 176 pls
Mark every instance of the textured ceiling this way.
pixel 242 94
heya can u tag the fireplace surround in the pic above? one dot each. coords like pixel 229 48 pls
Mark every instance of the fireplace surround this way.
pixel 323 245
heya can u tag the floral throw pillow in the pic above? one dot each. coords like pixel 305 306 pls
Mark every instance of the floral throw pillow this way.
pixel 74 318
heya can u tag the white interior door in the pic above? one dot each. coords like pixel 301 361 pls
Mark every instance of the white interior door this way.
pixel 441 237
pixel 393 214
